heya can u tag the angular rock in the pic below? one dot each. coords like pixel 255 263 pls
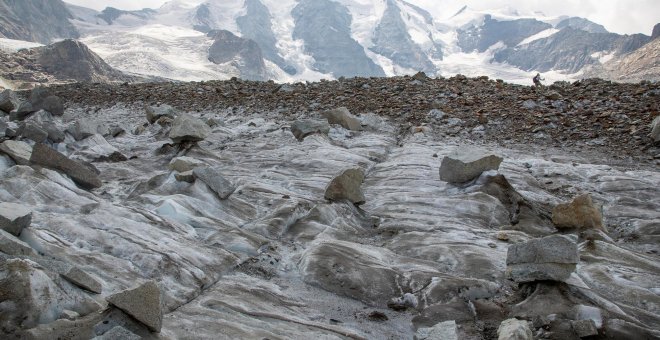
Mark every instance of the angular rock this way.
pixel 584 328
pixel 33 132
pixel 78 277
pixel 467 163
pixel 14 217
pixel 41 99
pixel 118 333
pixel 548 258
pixel 19 151
pixel 513 329
pixel 441 331
pixel 581 213
pixel 23 110
pixel 48 157
pixel 69 315
pixel 83 128
pixel 344 118
pixel 11 245
pixel 54 134
pixel 655 129
pixel 142 303
pixel 306 127
pixel 155 112
pixel 187 128
pixel 8 100
pixel 346 186
pixel 215 181
pixel 187 176
pixel 183 164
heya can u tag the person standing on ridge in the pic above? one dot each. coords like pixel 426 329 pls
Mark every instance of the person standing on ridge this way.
pixel 537 80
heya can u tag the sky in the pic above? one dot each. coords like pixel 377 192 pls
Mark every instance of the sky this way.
pixel 619 16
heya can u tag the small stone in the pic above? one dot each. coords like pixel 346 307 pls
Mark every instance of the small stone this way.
pixel 215 181
pixel 19 151
pixel 11 245
pixel 346 186
pixel 513 329
pixel 183 164
pixel 186 176
pixel 304 128
pixel 14 217
pixel 581 213
pixel 467 163
pixel 344 118
pixel 78 277
pixel 549 258
pixel 142 303
pixel 441 331
pixel 48 157
pixel 584 328
pixel 187 128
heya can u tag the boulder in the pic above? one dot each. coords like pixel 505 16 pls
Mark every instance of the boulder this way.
pixel 46 156
pixel 213 178
pixel 549 258
pixel 14 217
pixel 441 331
pixel 118 333
pixel 41 99
pixel 306 127
pixel 8 100
pixel 584 328
pixel 187 176
pixel 81 279
pixel 344 118
pixel 11 245
pixel 187 128
pixel 183 164
pixel 581 213
pixel 33 132
pixel 142 303
pixel 655 129
pixel 19 151
pixel 346 186
pixel 467 163
pixel 83 128
pixel 514 329
pixel 54 134
pixel 23 110
pixel 155 112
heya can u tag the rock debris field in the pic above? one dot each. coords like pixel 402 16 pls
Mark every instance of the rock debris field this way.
pixel 383 208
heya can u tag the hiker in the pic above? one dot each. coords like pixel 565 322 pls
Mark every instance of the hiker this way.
pixel 537 80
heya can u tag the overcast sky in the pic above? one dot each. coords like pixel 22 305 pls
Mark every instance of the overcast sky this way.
pixel 620 16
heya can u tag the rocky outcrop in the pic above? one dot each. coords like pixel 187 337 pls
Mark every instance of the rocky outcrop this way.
pixel 244 54
pixel 325 28
pixel 467 163
pixel 46 156
pixel 548 258
pixel 581 24
pixel 36 20
pixel 187 128
pixel 639 65
pixel 580 213
pixel 346 186
pixel 14 217
pixel 143 303
pixel 492 31
pixel 110 14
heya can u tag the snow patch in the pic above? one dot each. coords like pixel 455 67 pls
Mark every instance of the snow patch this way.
pixel 540 35
pixel 12 45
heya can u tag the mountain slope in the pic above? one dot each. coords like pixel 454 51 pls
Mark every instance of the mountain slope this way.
pixel 36 20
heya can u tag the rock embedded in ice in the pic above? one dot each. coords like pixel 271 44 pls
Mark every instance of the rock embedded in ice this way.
pixel 214 179
pixel 655 129
pixel 549 258
pixel 187 128
pixel 8 100
pixel 78 277
pixel 467 163
pixel 514 329
pixel 46 156
pixel 83 128
pixel 344 118
pixel 118 333
pixel 14 217
pixel 186 176
pixel 155 112
pixel 445 330
pixel 346 186
pixel 584 328
pixel 19 151
pixel 581 213
pixel 11 245
pixel 306 127
pixel 142 303
pixel 183 164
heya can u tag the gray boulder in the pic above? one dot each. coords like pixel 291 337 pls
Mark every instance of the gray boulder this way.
pixel 156 112
pixel 8 100
pixel 118 333
pixel 549 258
pixel 655 129
pixel 41 99
pixel 344 118
pixel 14 217
pixel 48 157
pixel 187 128
pixel 306 127
pixel 183 164
pixel 346 186
pixel 11 245
pixel 213 178
pixel 83 128
pixel 467 163
pixel 441 331
pixel 19 151
pixel 33 132
pixel 78 277
pixel 142 303
pixel 514 329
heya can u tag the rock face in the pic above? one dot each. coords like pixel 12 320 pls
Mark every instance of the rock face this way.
pixel 36 20
pixel 581 213
pixel 14 217
pixel 343 117
pixel 492 31
pixel 306 127
pixel 215 181
pixel 467 163
pixel 19 151
pixel 581 24
pixel 513 329
pixel 142 303
pixel 346 186
pixel 45 156
pixel 187 128
pixel 325 28
pixel 549 258
pixel 244 54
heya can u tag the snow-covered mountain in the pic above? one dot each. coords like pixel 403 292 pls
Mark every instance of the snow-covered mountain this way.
pixel 293 40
